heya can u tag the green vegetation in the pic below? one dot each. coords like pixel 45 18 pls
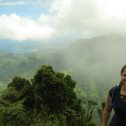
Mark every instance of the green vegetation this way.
pixel 48 99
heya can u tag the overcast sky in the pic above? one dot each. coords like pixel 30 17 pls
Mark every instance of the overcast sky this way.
pixel 45 20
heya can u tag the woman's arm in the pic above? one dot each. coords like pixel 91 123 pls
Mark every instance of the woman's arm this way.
pixel 106 112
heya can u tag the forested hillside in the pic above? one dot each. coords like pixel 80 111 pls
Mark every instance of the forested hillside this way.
pixel 92 63
pixel 49 98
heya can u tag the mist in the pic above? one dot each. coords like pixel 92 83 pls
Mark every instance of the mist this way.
pixel 96 61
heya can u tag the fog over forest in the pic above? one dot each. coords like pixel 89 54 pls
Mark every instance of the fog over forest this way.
pixel 94 61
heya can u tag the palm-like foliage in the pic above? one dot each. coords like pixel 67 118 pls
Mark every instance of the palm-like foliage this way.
pixel 14 115
pixel 48 99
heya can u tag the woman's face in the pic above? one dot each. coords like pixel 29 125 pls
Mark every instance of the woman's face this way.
pixel 123 76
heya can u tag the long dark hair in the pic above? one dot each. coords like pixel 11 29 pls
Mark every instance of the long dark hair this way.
pixel 123 68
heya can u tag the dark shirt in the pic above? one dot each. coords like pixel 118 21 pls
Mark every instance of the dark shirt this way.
pixel 118 103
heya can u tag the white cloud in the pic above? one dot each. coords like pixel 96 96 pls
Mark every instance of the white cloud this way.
pixel 75 18
pixel 19 28
pixel 92 16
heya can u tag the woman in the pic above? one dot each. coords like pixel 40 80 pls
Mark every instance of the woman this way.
pixel 116 100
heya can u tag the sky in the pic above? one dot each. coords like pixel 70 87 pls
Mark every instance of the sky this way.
pixel 48 20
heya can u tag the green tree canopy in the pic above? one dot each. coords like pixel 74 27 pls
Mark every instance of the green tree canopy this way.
pixel 56 90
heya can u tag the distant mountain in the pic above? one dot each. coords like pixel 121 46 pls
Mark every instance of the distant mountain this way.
pixel 90 56
pixel 13 46
pixel 98 50
pixel 6 45
pixel 96 61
